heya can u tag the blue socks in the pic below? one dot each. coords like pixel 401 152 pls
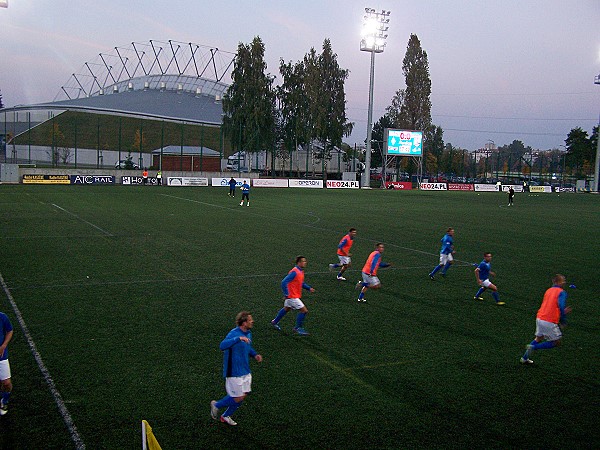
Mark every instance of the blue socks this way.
pixel 543 345
pixel 230 403
pixel 229 411
pixel 300 320
pixel 282 312
pixel 479 292
pixel 434 271
pixel 5 397
pixel 226 401
pixel 496 296
pixel 446 267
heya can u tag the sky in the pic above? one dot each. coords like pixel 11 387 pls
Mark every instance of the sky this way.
pixel 500 70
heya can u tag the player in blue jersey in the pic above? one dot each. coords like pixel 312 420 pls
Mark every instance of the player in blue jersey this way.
pixel 482 274
pixel 6 334
pixel 245 193
pixel 237 350
pixel 446 252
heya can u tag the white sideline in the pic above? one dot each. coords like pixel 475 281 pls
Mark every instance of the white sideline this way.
pixel 38 358
pixel 83 220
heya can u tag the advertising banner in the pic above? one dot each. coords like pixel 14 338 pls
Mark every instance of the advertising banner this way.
pixel 187 181
pixel 486 188
pixel 46 179
pixel 565 189
pixel 224 182
pixel 398 185
pixel 92 179
pixel 306 184
pixel 536 189
pixel 337 184
pixel 138 181
pixel 460 187
pixel 270 182
pixel 516 187
pixel 433 186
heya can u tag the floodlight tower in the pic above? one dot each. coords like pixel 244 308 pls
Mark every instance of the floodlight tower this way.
pixel 597 165
pixel 373 39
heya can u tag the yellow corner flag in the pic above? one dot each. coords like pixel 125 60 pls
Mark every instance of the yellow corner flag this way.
pixel 149 442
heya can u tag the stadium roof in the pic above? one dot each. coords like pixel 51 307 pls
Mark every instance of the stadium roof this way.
pixel 171 81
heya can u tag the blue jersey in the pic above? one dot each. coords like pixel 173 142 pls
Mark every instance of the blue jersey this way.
pixel 246 188
pixel 232 184
pixel 5 328
pixel 447 245
pixel 236 353
pixel 484 270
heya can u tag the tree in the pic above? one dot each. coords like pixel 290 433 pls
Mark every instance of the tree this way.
pixel 1 103
pixel 331 121
pixel 579 149
pixel 411 107
pixel 249 102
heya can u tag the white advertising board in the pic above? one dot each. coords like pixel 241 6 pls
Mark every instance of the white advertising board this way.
pixel 187 181
pixel 433 186
pixel 337 184
pixel 224 182
pixel 516 187
pixel 317 184
pixel 270 182
pixel 486 188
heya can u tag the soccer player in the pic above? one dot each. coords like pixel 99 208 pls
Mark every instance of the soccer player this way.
pixel 237 350
pixel 511 196
pixel 369 272
pixel 232 184
pixel 6 334
pixel 343 252
pixel 482 274
pixel 446 259
pixel 551 315
pixel 292 286
pixel 245 193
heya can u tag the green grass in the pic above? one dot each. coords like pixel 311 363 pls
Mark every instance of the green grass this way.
pixel 419 365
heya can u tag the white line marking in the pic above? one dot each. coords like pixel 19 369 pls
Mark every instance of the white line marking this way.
pixel 83 220
pixel 38 358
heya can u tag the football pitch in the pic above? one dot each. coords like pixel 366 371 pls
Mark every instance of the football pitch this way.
pixel 126 293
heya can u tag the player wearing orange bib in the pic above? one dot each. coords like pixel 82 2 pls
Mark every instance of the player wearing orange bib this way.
pixel 369 272
pixel 550 316
pixel 292 286
pixel 343 252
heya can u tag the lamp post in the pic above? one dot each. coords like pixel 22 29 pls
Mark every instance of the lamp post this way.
pixel 597 165
pixel 373 41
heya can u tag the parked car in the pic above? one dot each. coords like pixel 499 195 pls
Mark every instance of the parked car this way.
pixel 126 164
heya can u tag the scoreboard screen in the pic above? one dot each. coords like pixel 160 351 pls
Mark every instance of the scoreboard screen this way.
pixel 403 142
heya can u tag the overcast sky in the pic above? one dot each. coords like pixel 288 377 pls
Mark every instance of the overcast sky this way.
pixel 500 70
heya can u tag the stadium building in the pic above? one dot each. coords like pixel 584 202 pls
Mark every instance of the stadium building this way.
pixel 130 103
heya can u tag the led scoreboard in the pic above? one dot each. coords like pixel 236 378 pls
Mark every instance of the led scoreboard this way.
pixel 403 142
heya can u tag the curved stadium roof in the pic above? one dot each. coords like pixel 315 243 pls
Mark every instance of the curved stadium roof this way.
pixel 170 80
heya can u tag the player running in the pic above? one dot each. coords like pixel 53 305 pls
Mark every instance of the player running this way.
pixel 551 315
pixel 343 252
pixel 482 274
pixel 369 272
pixel 446 259
pixel 292 286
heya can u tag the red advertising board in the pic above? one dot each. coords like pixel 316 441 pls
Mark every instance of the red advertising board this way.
pixel 460 187
pixel 399 185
